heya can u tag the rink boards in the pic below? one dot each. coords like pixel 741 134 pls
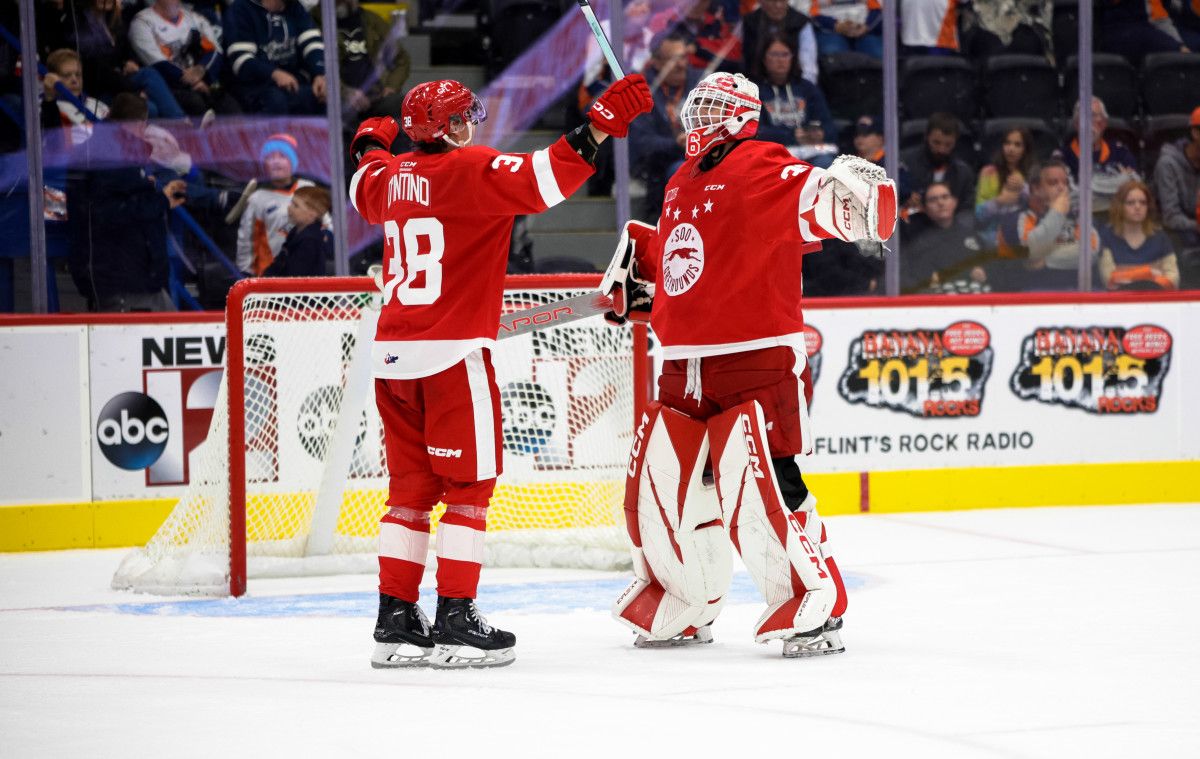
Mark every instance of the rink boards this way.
pixel 920 404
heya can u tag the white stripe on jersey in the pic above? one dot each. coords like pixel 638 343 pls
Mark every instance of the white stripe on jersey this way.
pixel 806 445
pixel 459 543
pixel 242 47
pixel 547 184
pixel 485 425
pixel 358 175
pixel 305 36
pixel 399 542
pixel 808 198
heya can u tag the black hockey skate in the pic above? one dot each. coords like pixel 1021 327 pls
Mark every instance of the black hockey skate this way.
pixel 458 626
pixel 825 640
pixel 401 635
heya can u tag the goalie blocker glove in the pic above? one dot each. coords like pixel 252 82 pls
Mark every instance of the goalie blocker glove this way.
pixel 623 101
pixel 856 201
pixel 632 295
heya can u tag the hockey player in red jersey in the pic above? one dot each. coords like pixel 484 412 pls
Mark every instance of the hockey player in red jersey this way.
pixel 447 211
pixel 724 264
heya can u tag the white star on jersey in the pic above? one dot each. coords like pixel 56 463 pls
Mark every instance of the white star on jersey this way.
pixel 695 211
pixel 676 214
pixel 708 206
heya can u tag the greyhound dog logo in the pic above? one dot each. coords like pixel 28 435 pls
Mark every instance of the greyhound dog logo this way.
pixel 683 259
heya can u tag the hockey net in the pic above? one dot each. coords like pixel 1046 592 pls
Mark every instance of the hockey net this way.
pixel 292 478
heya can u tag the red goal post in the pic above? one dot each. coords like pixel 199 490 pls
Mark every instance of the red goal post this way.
pixel 292 479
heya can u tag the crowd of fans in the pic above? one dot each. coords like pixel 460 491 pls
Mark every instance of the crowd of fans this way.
pixel 971 222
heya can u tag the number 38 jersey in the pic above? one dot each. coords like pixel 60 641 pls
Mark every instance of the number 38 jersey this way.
pixel 447 221
pixel 726 253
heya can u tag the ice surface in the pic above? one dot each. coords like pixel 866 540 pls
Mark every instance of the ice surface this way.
pixel 1065 632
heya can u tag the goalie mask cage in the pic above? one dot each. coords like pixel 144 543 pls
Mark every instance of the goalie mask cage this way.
pixel 292 477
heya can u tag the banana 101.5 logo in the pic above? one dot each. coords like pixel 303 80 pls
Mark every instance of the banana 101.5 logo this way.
pixel 1102 370
pixel 923 372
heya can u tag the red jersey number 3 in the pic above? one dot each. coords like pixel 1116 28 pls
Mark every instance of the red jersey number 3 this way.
pixel 415 265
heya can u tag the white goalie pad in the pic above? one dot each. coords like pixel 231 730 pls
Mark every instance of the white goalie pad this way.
pixel 681 558
pixel 781 557
pixel 621 279
pixel 856 201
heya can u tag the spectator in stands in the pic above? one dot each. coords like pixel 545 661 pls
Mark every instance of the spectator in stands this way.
pixel 1177 184
pixel 929 27
pixel 1135 254
pixel 1003 187
pixel 934 161
pixel 1007 28
pixel 845 25
pixel 275 57
pixel 308 245
pixel 776 17
pixel 119 220
pixel 181 45
pixel 264 224
pixel 795 113
pixel 94 29
pixel 1186 15
pixel 373 65
pixel 1047 232
pixel 63 66
pixel 941 251
pixel 656 140
pixel 710 39
pixel 1133 28
pixel 1113 164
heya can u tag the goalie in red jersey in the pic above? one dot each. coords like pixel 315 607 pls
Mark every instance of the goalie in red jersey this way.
pixel 447 211
pixel 723 263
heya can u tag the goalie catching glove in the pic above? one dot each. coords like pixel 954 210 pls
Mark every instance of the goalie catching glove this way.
pixel 632 295
pixel 856 201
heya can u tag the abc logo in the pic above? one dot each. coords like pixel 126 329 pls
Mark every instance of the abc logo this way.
pixel 132 431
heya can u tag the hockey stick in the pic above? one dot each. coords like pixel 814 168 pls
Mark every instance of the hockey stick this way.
pixel 554 314
pixel 602 39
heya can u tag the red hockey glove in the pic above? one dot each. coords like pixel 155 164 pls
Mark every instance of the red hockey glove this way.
pixel 621 103
pixel 376 133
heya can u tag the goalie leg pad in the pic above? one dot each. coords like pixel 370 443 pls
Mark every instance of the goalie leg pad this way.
pixel 783 561
pixel 809 521
pixel 681 558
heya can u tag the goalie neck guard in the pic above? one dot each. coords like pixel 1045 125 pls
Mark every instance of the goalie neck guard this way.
pixel 432 109
pixel 721 108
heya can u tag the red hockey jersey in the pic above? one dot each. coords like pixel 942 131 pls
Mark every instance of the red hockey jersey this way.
pixel 447 219
pixel 727 249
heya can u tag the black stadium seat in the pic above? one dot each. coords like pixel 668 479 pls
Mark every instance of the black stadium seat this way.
pixel 1159 131
pixel 932 83
pixel 852 84
pixel 1045 139
pixel 1020 85
pixel 1114 80
pixel 1171 82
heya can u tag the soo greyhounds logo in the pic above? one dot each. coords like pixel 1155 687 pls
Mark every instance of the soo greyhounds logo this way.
pixel 683 259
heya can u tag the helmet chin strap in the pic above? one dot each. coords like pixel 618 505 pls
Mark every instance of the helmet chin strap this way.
pixel 464 143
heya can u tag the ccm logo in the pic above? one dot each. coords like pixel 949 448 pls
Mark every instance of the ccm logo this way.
pixel 543 318
pixel 846 213
pixel 603 111
pixel 636 453
pixel 752 448
pixel 713 187
pixel 446 453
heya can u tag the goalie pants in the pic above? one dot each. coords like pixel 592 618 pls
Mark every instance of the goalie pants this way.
pixel 780 379
pixel 442 437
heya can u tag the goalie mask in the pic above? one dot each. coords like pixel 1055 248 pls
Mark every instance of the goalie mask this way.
pixel 722 108
pixel 431 110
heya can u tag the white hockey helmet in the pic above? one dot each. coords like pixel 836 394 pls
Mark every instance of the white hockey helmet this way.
pixel 721 108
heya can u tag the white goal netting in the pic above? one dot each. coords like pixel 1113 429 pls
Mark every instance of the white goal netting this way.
pixel 315 476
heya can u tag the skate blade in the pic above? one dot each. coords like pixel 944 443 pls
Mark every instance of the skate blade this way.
pixel 703 635
pixel 390 656
pixel 468 657
pixel 824 643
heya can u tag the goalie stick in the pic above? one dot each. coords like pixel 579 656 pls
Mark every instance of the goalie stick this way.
pixel 602 40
